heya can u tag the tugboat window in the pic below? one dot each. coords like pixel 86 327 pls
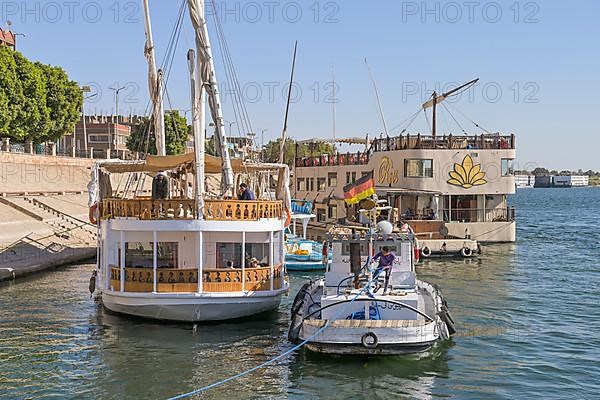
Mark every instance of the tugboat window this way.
pixel 141 254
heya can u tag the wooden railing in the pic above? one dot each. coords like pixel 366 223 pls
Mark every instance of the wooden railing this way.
pixel 141 280
pixel 481 142
pixel 225 210
pixel 216 210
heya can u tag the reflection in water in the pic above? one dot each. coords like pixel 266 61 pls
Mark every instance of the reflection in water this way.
pixel 526 315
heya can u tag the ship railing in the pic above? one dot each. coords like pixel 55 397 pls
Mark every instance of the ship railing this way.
pixel 175 280
pixel 504 214
pixel 182 209
pixel 445 142
pixel 324 160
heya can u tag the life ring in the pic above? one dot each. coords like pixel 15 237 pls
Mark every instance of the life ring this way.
pixel 466 252
pixel 369 340
pixel 426 252
pixel 92 214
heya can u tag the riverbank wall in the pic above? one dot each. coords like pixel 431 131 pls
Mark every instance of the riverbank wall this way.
pixel 43 213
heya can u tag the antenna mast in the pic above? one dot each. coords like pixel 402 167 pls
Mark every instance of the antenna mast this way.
pixel 385 129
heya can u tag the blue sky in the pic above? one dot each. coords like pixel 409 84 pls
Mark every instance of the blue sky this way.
pixel 537 61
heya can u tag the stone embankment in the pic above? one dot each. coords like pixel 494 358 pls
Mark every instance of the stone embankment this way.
pixel 43 213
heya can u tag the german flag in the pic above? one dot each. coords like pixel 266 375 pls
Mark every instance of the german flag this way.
pixel 359 190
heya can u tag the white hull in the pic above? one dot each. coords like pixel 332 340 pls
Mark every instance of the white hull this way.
pixel 392 336
pixel 191 307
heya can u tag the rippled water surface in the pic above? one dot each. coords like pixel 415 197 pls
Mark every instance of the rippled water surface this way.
pixel 528 315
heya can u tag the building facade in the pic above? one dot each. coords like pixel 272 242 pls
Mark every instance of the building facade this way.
pixel 104 137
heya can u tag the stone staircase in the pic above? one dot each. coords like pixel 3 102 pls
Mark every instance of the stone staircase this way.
pixel 63 225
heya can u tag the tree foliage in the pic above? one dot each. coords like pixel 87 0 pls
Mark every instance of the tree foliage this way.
pixel 37 102
pixel 272 149
pixel 176 135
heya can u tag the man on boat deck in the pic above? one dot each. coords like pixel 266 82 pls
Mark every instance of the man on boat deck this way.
pixel 386 261
pixel 160 187
pixel 245 193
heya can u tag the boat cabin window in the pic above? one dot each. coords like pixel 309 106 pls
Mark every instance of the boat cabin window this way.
pixel 229 255
pixel 418 168
pixel 141 254
pixel 508 167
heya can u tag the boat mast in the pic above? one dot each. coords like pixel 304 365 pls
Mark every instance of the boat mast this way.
pixel 206 74
pixel 155 85
pixel 437 99
pixel 287 109
pixel 198 96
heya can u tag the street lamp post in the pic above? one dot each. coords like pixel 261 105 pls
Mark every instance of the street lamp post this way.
pixel 262 144
pixel 84 90
pixel 115 89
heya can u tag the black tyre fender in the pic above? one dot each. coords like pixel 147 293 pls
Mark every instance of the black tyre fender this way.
pixel 299 299
pixel 444 317
pixel 369 340
pixel 466 252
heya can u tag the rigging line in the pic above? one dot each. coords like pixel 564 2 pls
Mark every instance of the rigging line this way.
pixel 235 102
pixel 233 71
pixel 282 355
pixel 467 117
pixel 172 115
pixel 411 122
pixel 167 61
pixel 398 126
pixel 455 120
pixel 427 119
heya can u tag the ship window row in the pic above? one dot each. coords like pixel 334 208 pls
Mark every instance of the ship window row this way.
pixel 229 255
pixel 321 184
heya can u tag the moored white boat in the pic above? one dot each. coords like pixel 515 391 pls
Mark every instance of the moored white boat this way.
pixel 303 254
pixel 351 312
pixel 185 254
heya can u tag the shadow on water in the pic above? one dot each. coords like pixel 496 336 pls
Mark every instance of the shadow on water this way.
pixel 408 376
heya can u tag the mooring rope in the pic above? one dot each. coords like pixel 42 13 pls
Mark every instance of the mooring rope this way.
pixel 279 357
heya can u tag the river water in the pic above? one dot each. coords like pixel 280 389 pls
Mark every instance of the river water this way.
pixel 528 316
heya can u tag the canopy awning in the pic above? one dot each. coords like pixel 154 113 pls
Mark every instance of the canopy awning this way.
pixel 154 164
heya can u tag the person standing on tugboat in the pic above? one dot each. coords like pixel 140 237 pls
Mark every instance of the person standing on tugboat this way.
pixel 386 261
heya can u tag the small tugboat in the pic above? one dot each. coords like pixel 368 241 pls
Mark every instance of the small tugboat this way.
pixel 354 310
pixel 303 254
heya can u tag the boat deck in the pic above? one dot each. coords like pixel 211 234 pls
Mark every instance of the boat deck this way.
pixel 315 323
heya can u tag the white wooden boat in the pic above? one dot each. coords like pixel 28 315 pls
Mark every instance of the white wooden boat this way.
pixel 189 255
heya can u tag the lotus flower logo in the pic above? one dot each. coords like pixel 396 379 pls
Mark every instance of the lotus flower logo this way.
pixel 467 175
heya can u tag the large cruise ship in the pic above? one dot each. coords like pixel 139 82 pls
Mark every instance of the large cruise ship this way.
pixel 453 185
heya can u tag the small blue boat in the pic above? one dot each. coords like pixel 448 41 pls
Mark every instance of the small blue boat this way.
pixel 303 254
